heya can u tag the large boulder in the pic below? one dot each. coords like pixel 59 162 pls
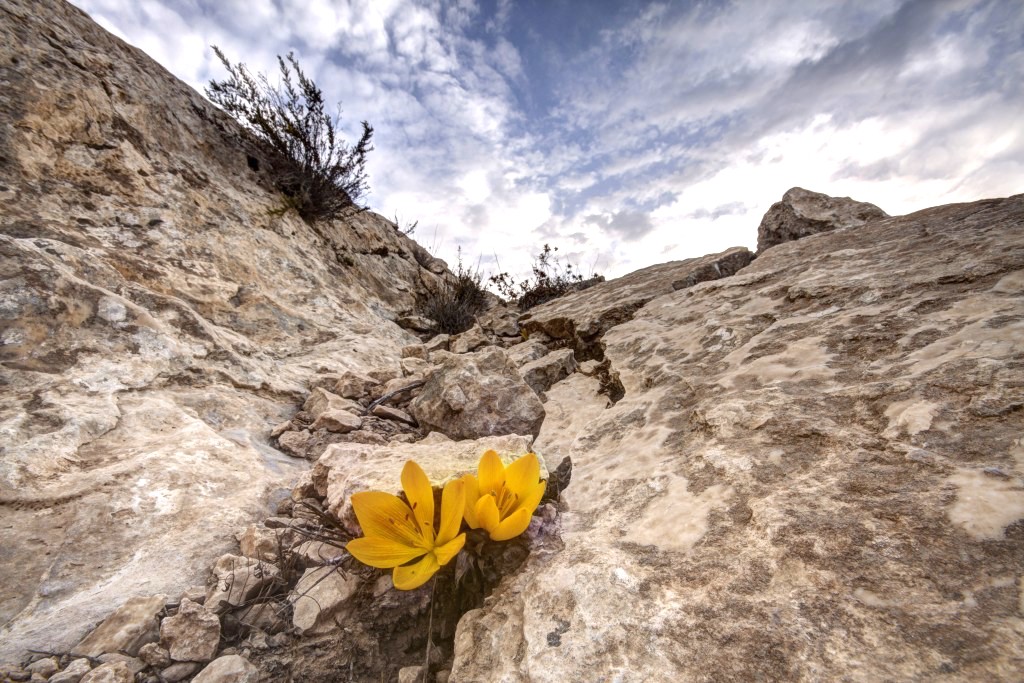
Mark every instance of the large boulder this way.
pixel 802 213
pixel 582 317
pixel 816 472
pixel 472 395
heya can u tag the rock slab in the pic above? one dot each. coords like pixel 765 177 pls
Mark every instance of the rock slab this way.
pixel 802 213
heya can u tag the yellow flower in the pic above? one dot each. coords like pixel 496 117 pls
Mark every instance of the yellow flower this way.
pixel 397 533
pixel 501 500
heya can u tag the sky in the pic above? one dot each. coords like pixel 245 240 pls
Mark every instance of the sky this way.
pixel 630 133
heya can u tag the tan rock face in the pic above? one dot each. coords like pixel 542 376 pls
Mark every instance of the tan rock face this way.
pixel 157 320
pixel 128 628
pixel 802 213
pixel 816 473
pixel 582 317
pixel 191 635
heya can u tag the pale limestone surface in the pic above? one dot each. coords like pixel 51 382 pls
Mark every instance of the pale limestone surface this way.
pixel 816 473
pixel 801 213
pixel 156 321
pixel 582 317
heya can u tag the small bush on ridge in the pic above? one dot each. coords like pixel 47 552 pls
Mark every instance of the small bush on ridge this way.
pixel 456 303
pixel 550 280
pixel 320 175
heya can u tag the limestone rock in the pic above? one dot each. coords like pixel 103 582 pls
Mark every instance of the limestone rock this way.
pixel 524 352
pixel 414 351
pixel 414 366
pixel 389 413
pixel 134 664
pixel 478 394
pixel 354 385
pixel 346 468
pixel 542 373
pixel 321 595
pixel 321 401
pixel 45 667
pixel 794 485
pixel 260 543
pixel 417 323
pixel 802 213
pixel 295 444
pixel 500 320
pixel 337 421
pixel 155 656
pixel 228 669
pixel 179 671
pixel 72 673
pixel 191 635
pixel 470 340
pixel 440 342
pixel 113 672
pixel 317 553
pixel 139 375
pixel 128 628
pixel 582 317
pixel 237 580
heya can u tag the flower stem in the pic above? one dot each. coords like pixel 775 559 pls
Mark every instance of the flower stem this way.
pixel 430 629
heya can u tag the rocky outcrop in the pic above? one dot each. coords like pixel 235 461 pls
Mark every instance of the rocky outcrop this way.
pixel 816 473
pixel 582 317
pixel 158 317
pixel 802 213
pixel 473 395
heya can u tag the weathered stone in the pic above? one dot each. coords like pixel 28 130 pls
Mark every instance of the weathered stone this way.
pixel 131 626
pixel 191 635
pixel 346 468
pixel 417 323
pixel 159 315
pixel 582 317
pixel 281 428
pixel 295 444
pixel 540 374
pixel 260 543
pixel 194 593
pixel 354 385
pixel 337 421
pixel 134 664
pixel 112 672
pixel 402 388
pixel 414 351
pixel 526 351
pixel 802 213
pixel 439 342
pixel 45 667
pixel 237 580
pixel 155 656
pixel 409 674
pixel 478 394
pixel 179 671
pixel 470 340
pixel 500 320
pixel 321 595
pixel 321 401
pixel 317 553
pixel 414 366
pixel 228 669
pixel 72 673
pixel 793 485
pixel 389 413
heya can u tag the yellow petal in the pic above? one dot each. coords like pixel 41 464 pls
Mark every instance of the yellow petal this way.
pixel 421 497
pixel 511 526
pixel 446 552
pixel 522 475
pixel 472 491
pixel 487 515
pixel 415 575
pixel 386 516
pixel 490 473
pixel 381 553
pixel 453 504
pixel 532 498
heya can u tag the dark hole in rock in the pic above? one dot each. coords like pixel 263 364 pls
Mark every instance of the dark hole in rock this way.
pixel 253 162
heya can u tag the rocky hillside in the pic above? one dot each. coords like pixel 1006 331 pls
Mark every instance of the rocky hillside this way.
pixel 156 321
pixel 805 466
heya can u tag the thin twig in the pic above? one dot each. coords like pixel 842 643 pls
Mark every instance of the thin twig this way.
pixel 414 385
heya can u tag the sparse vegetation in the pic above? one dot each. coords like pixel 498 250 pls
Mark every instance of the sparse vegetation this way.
pixel 456 302
pixel 320 176
pixel 551 279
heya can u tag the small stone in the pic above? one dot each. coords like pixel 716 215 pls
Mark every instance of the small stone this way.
pixel 261 543
pixel 417 323
pixel 228 669
pixel 414 351
pixel 317 553
pixel 18 675
pixel 130 627
pixel 354 385
pixel 337 421
pixel 443 676
pixel 180 671
pixel 542 373
pixel 527 351
pixel 191 635
pixel 321 401
pixel 409 674
pixel 44 667
pixel 320 594
pixel 72 673
pixel 470 340
pixel 295 443
pixel 238 579
pixel 414 366
pixel 134 664
pixel 155 656
pixel 389 413
pixel 437 343
pixel 281 429
pixel 195 594
pixel 111 672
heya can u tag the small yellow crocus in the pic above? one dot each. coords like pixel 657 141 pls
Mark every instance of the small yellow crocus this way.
pixel 502 499
pixel 397 533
